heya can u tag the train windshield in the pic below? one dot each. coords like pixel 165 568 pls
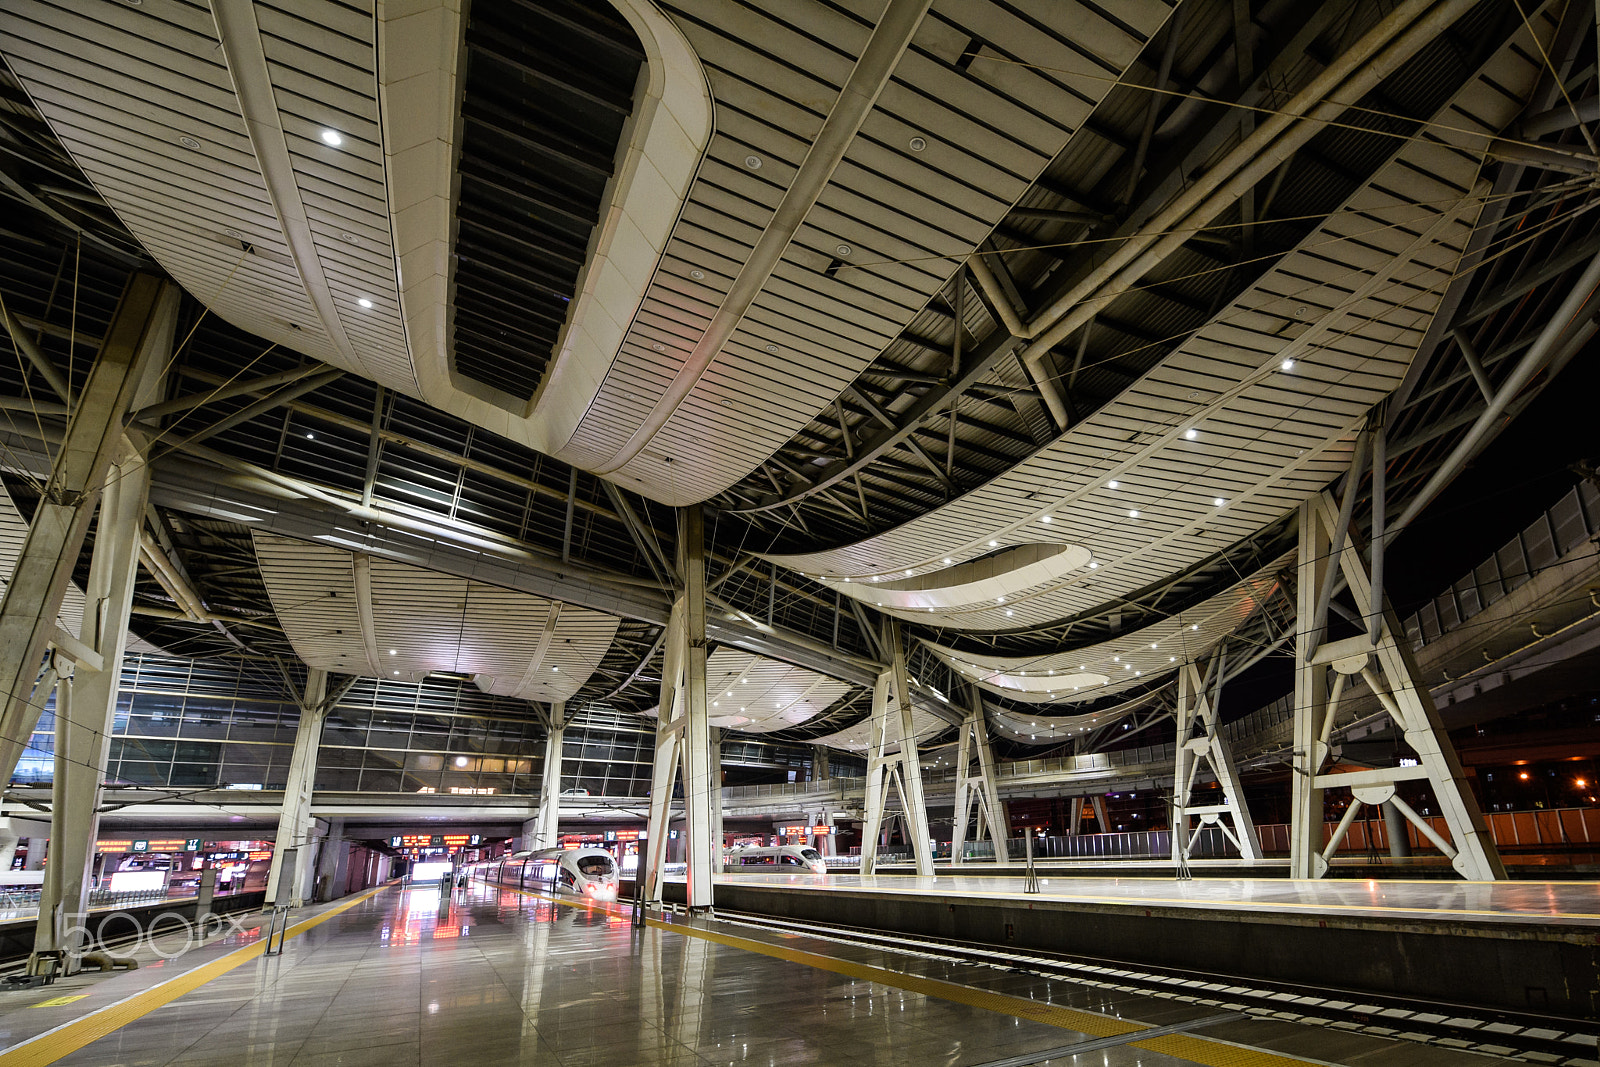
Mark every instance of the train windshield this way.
pixel 811 855
pixel 596 866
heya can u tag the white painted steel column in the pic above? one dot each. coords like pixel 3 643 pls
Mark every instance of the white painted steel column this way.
pixel 1389 670
pixel 1310 699
pixel 683 731
pixel 697 770
pixel 976 790
pixel 717 838
pixel 892 762
pixel 124 375
pixel 547 823
pixel 86 704
pixel 295 824
pixel 1196 709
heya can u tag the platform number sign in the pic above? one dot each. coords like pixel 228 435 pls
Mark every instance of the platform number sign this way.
pixel 192 845
pixel 141 846
pixel 436 841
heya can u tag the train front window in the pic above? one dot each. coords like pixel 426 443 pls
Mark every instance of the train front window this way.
pixel 811 855
pixel 595 866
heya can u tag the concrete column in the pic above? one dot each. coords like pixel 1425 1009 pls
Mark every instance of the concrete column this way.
pixel 331 862
pixel 821 763
pixel 295 825
pixel 86 703
pixel 125 374
pixel 530 835
pixel 1394 824
pixel 546 823
pixel 8 845
pixel 719 842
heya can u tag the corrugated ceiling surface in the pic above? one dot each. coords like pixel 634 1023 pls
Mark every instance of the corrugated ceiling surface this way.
pixel 354 614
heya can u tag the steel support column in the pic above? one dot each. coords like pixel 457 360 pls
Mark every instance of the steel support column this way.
pixel 1310 696
pixel 124 376
pixel 546 825
pixel 976 790
pixel 1201 741
pixel 86 708
pixel 1389 670
pixel 893 763
pixel 295 824
pixel 683 733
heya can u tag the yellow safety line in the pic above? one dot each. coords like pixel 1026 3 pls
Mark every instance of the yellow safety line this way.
pixel 1202 1050
pixel 69 1037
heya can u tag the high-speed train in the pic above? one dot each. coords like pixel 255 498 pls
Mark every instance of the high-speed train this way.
pixel 585 872
pixel 783 858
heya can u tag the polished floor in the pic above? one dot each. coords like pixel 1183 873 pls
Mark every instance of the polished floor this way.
pixel 1561 903
pixel 500 977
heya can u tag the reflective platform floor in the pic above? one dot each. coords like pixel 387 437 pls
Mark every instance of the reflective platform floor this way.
pixel 495 976
pixel 1561 903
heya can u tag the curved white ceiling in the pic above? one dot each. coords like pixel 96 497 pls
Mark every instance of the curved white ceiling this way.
pixel 925 726
pixel 945 597
pixel 769 232
pixel 1246 418
pixel 356 614
pixel 1133 659
pixel 756 695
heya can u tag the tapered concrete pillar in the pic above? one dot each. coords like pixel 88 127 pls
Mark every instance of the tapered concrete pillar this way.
pixel 296 828
pixel 126 373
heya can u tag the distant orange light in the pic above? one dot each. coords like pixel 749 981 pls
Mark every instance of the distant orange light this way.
pixel 1523 775
pixel 1581 784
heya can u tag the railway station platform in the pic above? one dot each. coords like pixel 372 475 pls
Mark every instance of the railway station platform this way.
pixel 1507 946
pixel 399 976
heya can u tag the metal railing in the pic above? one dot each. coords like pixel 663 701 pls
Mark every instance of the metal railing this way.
pixel 1566 526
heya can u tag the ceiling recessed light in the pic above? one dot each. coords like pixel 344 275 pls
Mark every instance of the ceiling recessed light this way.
pixel 1219 503
pixel 188 142
pixel 391 652
pixel 461 761
pixel 1113 484
pixel 1287 364
pixel 753 162
pixel 235 234
pixel 1093 563
pixel 1194 626
pixel 364 302
pixel 772 348
pixel 842 250
pixel 918 144
pixel 556 669
pixel 350 238
pixel 1000 600
pixel 697 275
pixel 1191 433
pixel 311 437
pixel 332 138
pixel 659 347
pixel 1045 520
pixel 947 563
pixel 994 544
pixel 1008 613
pixel 1172 659
pixel 1154 645
pixel 1133 513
